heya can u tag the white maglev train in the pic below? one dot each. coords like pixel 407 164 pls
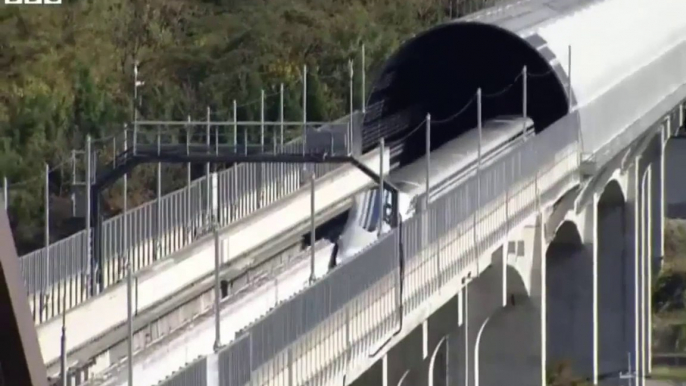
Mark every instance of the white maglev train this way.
pixel 449 164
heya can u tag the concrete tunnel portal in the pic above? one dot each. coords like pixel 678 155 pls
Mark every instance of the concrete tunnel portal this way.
pixel 439 72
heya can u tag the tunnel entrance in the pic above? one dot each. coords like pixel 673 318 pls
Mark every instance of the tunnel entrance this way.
pixel 439 71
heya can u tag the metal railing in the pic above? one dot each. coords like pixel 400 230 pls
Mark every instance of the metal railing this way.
pixel 322 331
pixel 193 374
pixel 56 277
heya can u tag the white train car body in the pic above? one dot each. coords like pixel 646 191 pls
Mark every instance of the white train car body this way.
pixel 448 165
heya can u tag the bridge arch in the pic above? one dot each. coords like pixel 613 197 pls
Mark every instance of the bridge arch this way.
pixel 508 344
pixel 612 195
pixel 405 379
pixel 569 303
pixel 435 374
pixel 615 281
pixel 439 71
pixel 566 235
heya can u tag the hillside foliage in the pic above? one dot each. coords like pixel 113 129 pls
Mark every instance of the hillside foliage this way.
pixel 68 73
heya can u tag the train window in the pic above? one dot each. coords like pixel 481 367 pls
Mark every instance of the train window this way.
pixel 388 213
pixel 372 215
pixel 224 286
pixel 371 221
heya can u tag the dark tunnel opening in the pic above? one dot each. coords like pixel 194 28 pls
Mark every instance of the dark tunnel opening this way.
pixel 439 72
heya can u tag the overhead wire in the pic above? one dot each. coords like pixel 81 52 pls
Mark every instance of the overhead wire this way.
pixel 492 94
pixel 502 91
pixel 30 181
pixel 217 113
pixel 456 114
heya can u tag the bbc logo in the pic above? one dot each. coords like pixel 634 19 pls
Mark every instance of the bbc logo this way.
pixel 33 2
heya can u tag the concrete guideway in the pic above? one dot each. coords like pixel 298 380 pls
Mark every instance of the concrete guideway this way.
pixel 347 343
pixel 179 311
pixel 192 346
pixel 175 238
pixel 154 364
pixel 164 279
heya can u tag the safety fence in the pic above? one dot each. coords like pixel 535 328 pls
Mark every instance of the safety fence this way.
pixel 321 332
pixel 193 374
pixel 57 277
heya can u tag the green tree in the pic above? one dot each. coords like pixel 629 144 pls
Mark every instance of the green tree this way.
pixel 68 73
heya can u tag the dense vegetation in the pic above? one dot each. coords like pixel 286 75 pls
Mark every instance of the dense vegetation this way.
pixel 68 72
pixel 669 292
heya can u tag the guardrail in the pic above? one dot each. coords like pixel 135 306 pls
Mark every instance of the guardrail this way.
pixel 56 277
pixel 322 331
